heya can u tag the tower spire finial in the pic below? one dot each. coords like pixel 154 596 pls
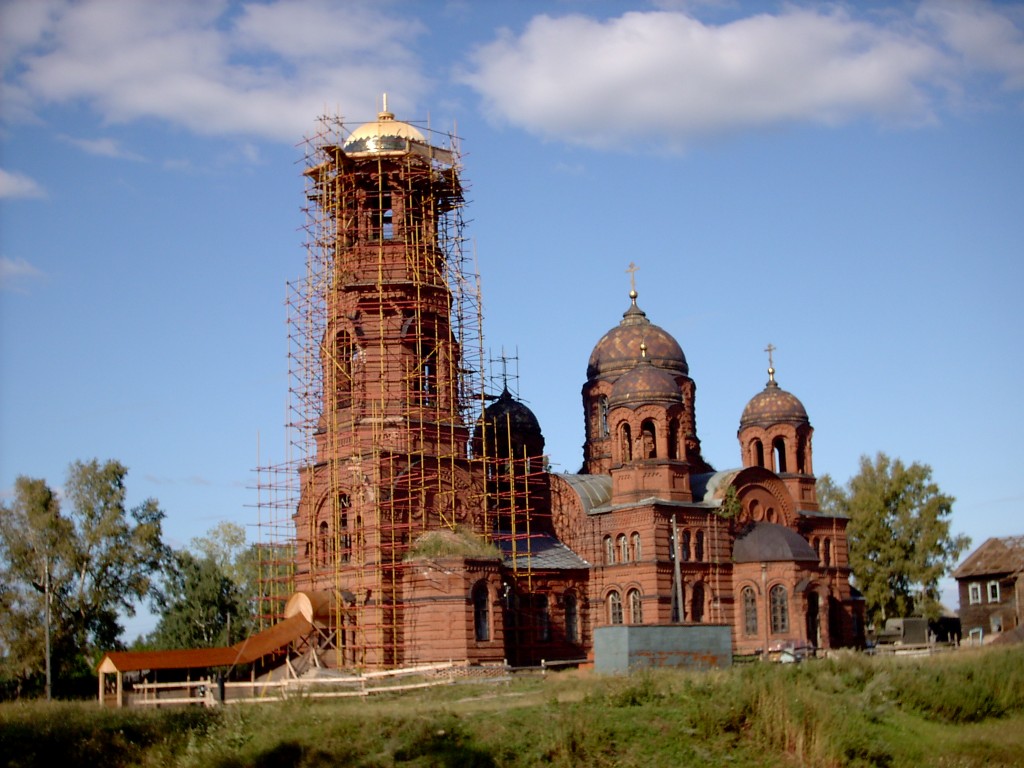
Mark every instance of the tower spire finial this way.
pixel 771 366
pixel 632 270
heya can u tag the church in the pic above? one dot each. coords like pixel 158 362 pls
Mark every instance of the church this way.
pixel 419 521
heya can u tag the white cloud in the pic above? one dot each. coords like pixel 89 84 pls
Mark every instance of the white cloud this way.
pixel 15 274
pixel 103 148
pixel 666 78
pixel 985 39
pixel 256 69
pixel 15 185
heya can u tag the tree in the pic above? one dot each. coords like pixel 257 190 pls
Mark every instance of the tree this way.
pixel 95 562
pixel 899 535
pixel 198 606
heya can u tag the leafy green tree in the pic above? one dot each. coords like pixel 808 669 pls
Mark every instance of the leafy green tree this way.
pixel 199 605
pixel 93 557
pixel 899 535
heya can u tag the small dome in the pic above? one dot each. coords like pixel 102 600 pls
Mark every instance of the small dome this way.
pixel 508 420
pixel 616 352
pixel 384 135
pixel 644 384
pixel 771 542
pixel 773 405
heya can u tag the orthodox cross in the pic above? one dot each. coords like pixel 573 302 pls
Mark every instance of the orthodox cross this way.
pixel 632 276
pixel 771 366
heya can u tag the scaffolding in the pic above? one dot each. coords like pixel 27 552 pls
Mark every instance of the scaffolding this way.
pixel 387 433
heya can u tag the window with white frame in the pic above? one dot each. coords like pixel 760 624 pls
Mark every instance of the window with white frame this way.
pixel 993 591
pixel 974 593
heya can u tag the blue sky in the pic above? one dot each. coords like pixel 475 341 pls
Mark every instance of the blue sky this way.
pixel 843 181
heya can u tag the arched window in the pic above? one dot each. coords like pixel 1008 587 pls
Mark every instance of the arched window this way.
pixel 698 547
pixel 572 618
pixel 635 546
pixel 779 605
pixel 482 611
pixel 623 548
pixel 636 608
pixel 759 453
pixel 749 612
pixel 697 603
pixel 673 439
pixel 648 440
pixel 614 607
pixel 826 552
pixel 345 553
pixel 609 551
pixel 779 449
pixel 602 408
pixel 543 618
pixel 323 543
pixel 626 443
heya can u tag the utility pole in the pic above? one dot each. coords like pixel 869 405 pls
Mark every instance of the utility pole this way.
pixel 46 595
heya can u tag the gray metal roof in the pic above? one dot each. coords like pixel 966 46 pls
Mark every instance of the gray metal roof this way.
pixel 539 552
pixel 771 542
pixel 594 490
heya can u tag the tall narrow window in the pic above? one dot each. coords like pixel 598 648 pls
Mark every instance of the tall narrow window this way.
pixel 636 607
pixel 543 619
pixel 482 611
pixel 673 439
pixel 609 551
pixel 697 603
pixel 623 548
pixel 779 450
pixel 685 554
pixel 779 605
pixel 759 453
pixel 698 547
pixel 572 618
pixel 749 612
pixel 635 546
pixel 614 607
pixel 648 440
pixel 602 407
pixel 826 552
pixel 323 543
pixel 974 593
pixel 626 443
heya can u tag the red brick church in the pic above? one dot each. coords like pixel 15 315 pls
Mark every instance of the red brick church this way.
pixel 425 525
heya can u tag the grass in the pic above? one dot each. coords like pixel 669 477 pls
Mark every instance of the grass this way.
pixel 954 711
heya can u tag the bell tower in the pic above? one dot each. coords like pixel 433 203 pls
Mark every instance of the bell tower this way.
pixel 388 387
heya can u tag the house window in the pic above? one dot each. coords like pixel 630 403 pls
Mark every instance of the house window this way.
pixel 482 611
pixel 623 548
pixel 614 608
pixel 636 609
pixel 572 618
pixel 974 593
pixel 749 612
pixel 993 591
pixel 779 609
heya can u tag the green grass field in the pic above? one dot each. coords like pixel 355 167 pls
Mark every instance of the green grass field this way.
pixel 949 711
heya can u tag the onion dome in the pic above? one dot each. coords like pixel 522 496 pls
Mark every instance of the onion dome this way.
pixel 771 542
pixel 644 384
pixel 773 405
pixel 509 423
pixel 384 135
pixel 615 353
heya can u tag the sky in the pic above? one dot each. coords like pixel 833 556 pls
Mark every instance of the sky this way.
pixel 842 181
